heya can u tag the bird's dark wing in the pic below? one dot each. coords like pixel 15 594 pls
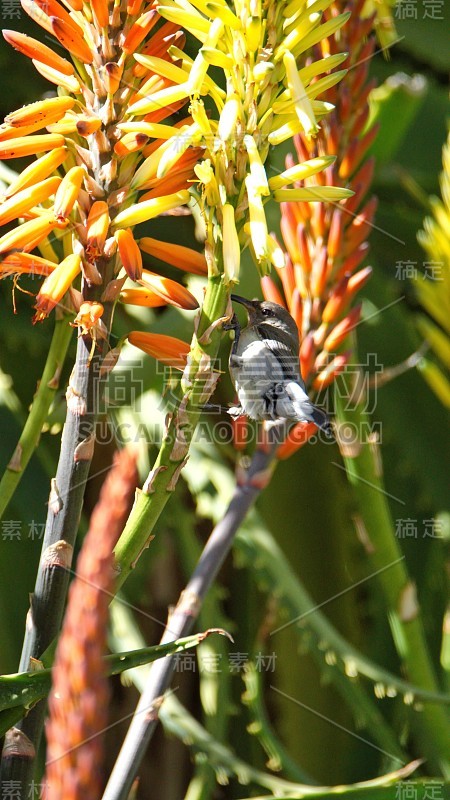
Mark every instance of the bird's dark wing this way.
pixel 281 347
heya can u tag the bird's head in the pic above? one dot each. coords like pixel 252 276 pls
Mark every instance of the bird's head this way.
pixel 269 314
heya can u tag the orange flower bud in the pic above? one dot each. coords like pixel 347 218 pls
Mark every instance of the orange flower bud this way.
pixel 305 256
pixel 169 290
pixel 307 355
pixel 36 50
pixel 129 252
pixel 361 226
pixel 72 39
pixel 30 145
pixel 356 152
pixel 335 234
pixel 319 273
pixel 331 371
pixel 56 285
pixel 357 281
pixel 167 349
pixel 51 8
pixel 296 308
pixel 296 438
pixel 49 110
pixel 286 273
pixel 139 30
pixel 141 297
pixel 101 12
pixel 290 238
pixel 342 329
pixel 175 254
pixel 337 301
pixel 133 7
pixel 97 224
pixel 353 261
pixel 271 291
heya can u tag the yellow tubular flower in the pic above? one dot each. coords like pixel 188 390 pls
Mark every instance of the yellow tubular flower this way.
pixel 302 104
pixel 231 246
pixel 300 171
pixel 56 285
pixel 21 202
pixel 258 224
pixel 38 170
pixel 43 111
pixel 26 236
pixel 257 171
pixel 140 212
pixel 68 192
pixel 30 145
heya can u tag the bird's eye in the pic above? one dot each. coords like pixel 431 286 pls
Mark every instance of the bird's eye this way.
pixel 267 312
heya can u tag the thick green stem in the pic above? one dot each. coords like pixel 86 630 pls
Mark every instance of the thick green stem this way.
pixel 43 398
pixel 196 388
pixel 364 471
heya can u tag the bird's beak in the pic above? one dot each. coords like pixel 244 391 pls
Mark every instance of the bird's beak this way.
pixel 248 304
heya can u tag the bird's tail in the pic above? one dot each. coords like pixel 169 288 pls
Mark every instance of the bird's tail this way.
pixel 305 410
pixel 321 419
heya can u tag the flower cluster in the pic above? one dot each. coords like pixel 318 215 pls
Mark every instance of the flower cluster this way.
pixel 325 243
pixel 266 100
pixel 94 178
